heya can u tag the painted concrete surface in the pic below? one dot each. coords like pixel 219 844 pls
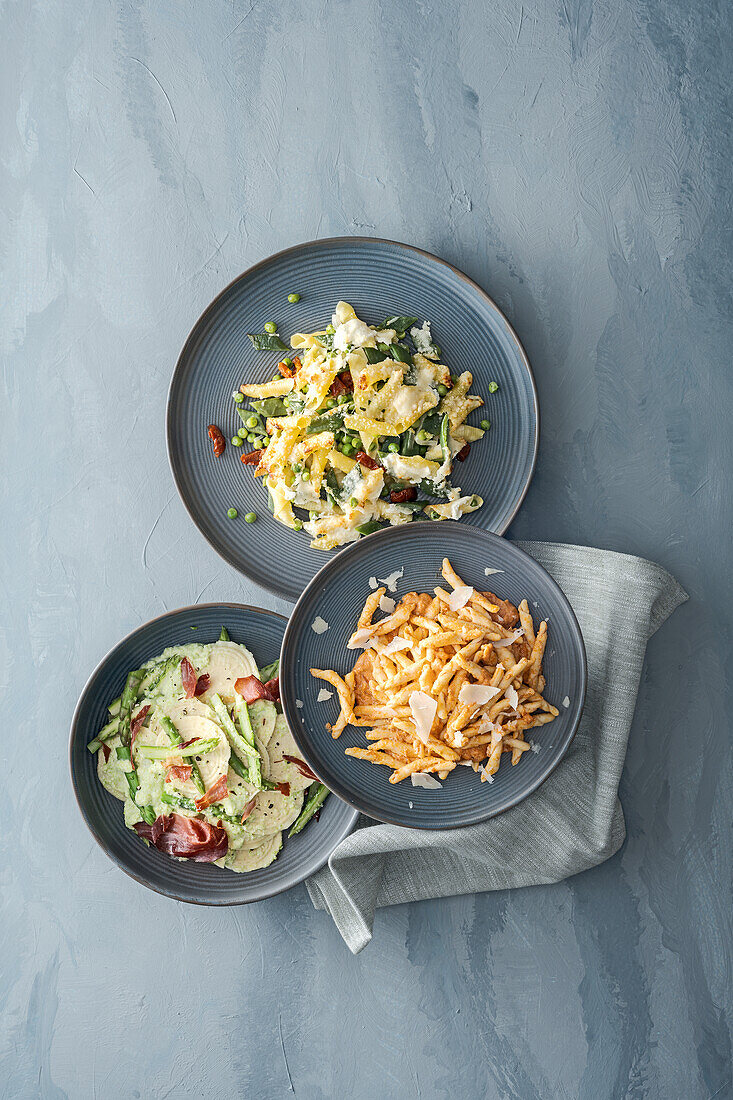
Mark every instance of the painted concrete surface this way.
pixel 574 158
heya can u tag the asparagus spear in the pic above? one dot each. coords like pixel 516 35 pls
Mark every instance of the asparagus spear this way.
pixel 216 810
pixel 241 737
pixel 104 735
pixel 176 739
pixel 162 752
pixel 127 700
pixel 316 798
pixel 224 636
pixel 269 671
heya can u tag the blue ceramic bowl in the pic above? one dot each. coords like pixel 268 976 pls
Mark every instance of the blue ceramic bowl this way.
pixel 337 594
pixel 379 278
pixel 262 632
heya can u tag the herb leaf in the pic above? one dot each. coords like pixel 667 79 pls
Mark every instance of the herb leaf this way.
pixel 266 341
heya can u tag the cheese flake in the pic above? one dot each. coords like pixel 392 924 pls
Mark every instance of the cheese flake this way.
pixel 396 644
pixel 510 640
pixel 490 573
pixel 511 695
pixel 319 625
pixel 424 779
pixel 475 695
pixel 566 702
pixel 361 639
pixel 323 695
pixel 390 582
pixel 386 604
pixel 459 597
pixel 423 709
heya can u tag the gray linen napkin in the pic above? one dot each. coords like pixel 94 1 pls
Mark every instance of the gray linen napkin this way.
pixel 574 821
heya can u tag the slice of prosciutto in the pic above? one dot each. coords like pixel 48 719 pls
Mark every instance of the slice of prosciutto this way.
pixel 181 773
pixel 251 689
pixel 202 684
pixel 300 765
pixel 215 793
pixel 186 837
pixel 189 678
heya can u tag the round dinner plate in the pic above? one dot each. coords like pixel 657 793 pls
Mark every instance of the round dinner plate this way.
pixel 262 633
pixel 379 279
pixel 337 595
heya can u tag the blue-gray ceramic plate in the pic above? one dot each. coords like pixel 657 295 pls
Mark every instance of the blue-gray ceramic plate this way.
pixel 337 595
pixel 262 632
pixel 379 278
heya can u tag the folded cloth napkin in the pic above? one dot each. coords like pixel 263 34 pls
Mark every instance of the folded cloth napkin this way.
pixel 574 820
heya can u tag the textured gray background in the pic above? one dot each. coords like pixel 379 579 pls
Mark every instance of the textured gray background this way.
pixel 573 157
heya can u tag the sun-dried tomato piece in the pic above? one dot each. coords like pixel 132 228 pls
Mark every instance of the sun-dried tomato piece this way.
pixel 464 452
pixel 287 370
pixel 283 788
pixel 216 792
pixel 252 458
pixel 188 837
pixel 189 678
pixel 300 765
pixel 202 684
pixel 365 460
pixel 107 752
pixel 217 439
pixel 343 383
pixel 399 496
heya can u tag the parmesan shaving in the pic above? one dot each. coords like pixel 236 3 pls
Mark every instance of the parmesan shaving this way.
pixel 510 640
pixel 476 694
pixel 424 779
pixel 511 695
pixel 566 702
pixel 361 639
pixel 323 695
pixel 487 775
pixel 390 582
pixel 397 644
pixel 423 708
pixel 459 597
pixel 299 703
pixel 373 583
pixel 319 625
pixel 490 573
pixel 387 604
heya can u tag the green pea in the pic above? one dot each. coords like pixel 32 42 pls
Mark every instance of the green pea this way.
pixel 243 432
pixel 305 476
pixel 347 450
pixel 259 442
pixel 270 326
pixel 330 330
pixel 252 421
pixel 422 435
pixel 232 513
pixel 493 387
pixel 353 502
pixel 250 517
pixel 343 399
pixel 251 437
pixel 393 447
pixel 442 390
pixel 486 424
pixel 236 441
pixel 293 297
pixel 239 398
pixel 298 525
pixel 331 403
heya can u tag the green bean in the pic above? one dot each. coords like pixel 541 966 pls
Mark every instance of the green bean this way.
pixel 369 528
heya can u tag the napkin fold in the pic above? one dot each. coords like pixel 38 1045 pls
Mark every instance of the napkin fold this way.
pixel 574 820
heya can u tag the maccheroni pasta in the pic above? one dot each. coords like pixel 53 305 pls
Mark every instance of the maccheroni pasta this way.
pixel 360 429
